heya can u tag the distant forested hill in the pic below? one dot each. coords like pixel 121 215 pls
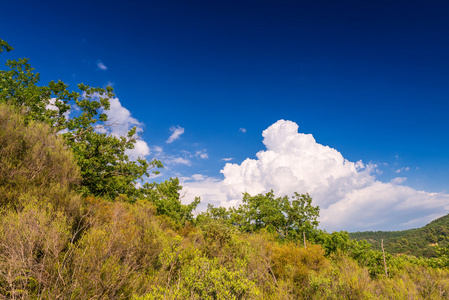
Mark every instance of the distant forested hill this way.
pixel 418 242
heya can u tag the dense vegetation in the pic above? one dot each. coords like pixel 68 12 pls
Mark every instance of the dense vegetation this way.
pixel 74 223
pixel 425 241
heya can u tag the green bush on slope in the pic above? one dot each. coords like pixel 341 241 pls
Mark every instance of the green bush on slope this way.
pixel 33 160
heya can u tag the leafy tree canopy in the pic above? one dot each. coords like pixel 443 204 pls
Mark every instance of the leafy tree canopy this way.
pixel 288 218
pixel 106 169
pixel 167 200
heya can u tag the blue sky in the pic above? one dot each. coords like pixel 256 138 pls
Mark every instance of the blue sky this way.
pixel 369 79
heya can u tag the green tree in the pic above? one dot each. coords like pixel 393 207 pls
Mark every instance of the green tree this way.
pixel 167 200
pixel 214 213
pixel 106 169
pixel 287 218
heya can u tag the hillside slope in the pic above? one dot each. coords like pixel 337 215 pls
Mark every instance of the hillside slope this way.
pixel 418 242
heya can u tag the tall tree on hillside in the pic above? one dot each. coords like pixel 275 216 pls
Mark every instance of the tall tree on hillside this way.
pixel 289 218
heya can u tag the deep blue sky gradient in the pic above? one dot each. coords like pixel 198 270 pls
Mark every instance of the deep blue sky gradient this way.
pixel 369 78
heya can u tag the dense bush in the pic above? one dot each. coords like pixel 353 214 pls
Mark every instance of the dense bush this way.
pixel 32 245
pixel 33 160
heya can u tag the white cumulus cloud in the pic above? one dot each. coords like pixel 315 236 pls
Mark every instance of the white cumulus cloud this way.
pixel 141 149
pixel 243 130
pixel 120 122
pixel 176 133
pixel 294 162
pixel 120 118
pixel 348 193
pixel 208 188
pixel 52 106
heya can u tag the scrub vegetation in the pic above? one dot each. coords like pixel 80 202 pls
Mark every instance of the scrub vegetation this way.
pixel 75 223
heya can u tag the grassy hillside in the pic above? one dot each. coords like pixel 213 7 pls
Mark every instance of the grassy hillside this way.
pixel 417 242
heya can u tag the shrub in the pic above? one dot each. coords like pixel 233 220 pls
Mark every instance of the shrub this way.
pixel 33 161
pixel 31 251
pixel 115 257
pixel 293 264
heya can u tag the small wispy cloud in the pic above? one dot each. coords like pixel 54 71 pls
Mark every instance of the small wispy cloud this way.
pixel 101 66
pixel 402 169
pixel 158 149
pixel 176 133
pixel 243 130
pixel 198 177
pixel 399 180
pixel 178 161
pixel 202 154
pixel 227 159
